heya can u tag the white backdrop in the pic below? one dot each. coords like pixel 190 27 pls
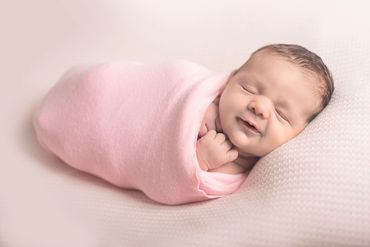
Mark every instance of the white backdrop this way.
pixel 45 203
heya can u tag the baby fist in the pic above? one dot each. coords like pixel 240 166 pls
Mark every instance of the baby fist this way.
pixel 214 150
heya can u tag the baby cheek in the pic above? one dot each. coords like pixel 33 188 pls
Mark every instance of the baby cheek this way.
pixel 279 137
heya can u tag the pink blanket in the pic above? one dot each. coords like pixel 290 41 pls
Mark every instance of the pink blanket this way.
pixel 135 126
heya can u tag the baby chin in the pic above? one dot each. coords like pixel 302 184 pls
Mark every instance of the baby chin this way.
pixel 240 135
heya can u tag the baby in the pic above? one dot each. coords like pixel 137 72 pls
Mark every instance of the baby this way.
pixel 88 120
pixel 266 102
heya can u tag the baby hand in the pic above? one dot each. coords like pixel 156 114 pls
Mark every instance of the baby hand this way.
pixel 213 151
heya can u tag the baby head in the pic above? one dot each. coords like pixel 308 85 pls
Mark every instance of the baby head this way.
pixel 272 97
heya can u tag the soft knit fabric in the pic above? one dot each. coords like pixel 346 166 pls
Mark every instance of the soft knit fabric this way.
pixel 136 126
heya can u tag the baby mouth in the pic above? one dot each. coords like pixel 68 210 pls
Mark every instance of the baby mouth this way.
pixel 250 126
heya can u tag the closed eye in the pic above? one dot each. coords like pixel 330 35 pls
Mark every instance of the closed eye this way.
pixel 281 115
pixel 249 89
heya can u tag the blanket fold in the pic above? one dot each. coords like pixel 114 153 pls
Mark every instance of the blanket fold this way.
pixel 135 126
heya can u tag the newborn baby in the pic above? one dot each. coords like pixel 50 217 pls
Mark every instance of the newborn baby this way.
pixel 98 118
pixel 266 102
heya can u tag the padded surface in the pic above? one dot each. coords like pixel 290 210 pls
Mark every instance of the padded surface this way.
pixel 313 191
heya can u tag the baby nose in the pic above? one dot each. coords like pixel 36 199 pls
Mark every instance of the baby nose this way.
pixel 260 106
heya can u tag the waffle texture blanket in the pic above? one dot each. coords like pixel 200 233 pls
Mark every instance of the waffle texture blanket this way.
pixel 135 126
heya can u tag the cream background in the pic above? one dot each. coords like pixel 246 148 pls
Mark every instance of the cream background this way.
pixel 45 203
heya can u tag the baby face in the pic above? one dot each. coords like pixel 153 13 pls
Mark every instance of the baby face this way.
pixel 266 103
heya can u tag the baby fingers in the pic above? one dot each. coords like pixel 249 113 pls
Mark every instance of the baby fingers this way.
pixel 232 155
pixel 220 137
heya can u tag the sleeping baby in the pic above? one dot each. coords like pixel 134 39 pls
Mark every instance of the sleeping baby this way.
pixel 265 103
pixel 176 130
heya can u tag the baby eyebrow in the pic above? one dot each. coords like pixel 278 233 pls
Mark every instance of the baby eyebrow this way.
pixel 249 77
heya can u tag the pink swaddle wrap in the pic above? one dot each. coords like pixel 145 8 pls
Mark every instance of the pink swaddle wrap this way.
pixel 136 126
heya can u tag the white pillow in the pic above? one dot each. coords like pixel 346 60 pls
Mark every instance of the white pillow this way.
pixel 316 189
